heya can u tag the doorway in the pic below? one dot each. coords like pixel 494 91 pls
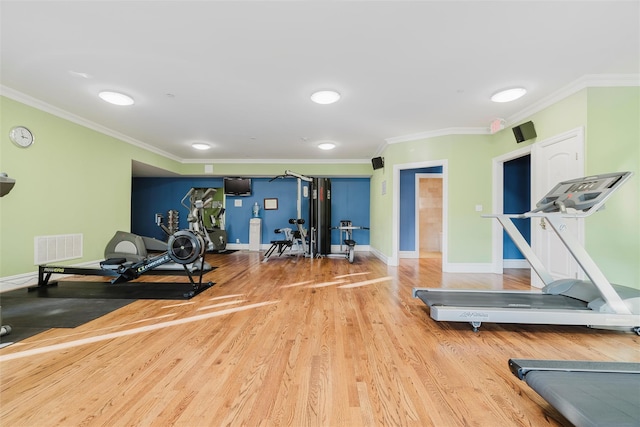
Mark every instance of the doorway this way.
pixel 403 234
pixel 428 215
pixel 552 160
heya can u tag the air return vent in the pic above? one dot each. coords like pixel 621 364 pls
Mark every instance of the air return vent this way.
pixel 49 249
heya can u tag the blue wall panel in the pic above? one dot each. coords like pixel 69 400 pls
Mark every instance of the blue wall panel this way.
pixel 159 195
pixel 285 190
pixel 350 199
pixel 408 206
pixel 517 200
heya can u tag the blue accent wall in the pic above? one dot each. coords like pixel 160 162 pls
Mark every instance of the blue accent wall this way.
pixel 159 195
pixel 517 200
pixel 350 199
pixel 408 206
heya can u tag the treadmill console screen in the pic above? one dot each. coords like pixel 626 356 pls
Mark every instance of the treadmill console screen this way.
pixel 582 194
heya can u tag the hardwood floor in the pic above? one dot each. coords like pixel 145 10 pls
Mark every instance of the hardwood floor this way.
pixel 294 342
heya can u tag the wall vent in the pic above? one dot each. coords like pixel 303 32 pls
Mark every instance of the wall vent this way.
pixel 56 248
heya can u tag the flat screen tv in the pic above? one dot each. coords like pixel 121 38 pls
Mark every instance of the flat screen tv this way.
pixel 237 186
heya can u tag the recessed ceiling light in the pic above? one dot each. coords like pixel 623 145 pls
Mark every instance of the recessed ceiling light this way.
pixel 325 97
pixel 509 94
pixel 326 146
pixel 116 98
pixel 201 145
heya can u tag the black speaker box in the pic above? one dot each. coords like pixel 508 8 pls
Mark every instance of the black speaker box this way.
pixel 377 162
pixel 524 132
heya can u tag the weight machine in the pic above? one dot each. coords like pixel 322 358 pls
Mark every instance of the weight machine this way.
pixel 294 242
pixel 317 241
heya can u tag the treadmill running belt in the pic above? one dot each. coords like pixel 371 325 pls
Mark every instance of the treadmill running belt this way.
pixel 499 300
pixel 591 398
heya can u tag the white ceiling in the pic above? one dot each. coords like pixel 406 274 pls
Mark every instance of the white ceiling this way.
pixel 238 74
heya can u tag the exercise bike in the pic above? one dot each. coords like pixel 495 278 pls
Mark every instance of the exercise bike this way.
pixel 346 229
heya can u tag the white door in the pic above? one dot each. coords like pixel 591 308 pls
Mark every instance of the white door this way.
pixel 554 160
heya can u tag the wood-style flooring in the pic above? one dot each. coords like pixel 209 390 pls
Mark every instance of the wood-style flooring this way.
pixel 294 342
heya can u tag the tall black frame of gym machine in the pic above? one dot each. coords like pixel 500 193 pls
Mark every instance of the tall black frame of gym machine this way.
pixel 319 212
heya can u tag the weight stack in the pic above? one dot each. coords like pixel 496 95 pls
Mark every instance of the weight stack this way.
pixel 173 221
pixel 320 216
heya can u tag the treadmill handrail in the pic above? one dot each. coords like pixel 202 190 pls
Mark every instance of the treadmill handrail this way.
pixel 562 192
pixel 579 253
pixel 524 247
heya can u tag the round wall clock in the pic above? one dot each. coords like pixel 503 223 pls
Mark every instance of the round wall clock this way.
pixel 21 136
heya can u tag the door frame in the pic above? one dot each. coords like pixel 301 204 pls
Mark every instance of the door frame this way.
pixel 497 205
pixel 418 177
pixel 395 211
pixel 498 188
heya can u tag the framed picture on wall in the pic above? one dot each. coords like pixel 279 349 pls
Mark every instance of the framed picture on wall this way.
pixel 270 204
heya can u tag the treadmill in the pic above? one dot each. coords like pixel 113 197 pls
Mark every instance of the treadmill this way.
pixel 590 394
pixel 595 302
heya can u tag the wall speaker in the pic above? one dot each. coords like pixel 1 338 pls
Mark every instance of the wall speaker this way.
pixel 377 162
pixel 524 132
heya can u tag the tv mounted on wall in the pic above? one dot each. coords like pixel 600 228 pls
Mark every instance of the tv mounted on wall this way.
pixel 237 186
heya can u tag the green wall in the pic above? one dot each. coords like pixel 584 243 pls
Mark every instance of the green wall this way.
pixel 77 180
pixel 468 157
pixel 72 180
pixel 613 136
pixel 611 119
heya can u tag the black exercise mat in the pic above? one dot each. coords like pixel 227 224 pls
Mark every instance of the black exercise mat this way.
pixel 74 303
pixel 127 290
pixel 226 252
pixel 29 316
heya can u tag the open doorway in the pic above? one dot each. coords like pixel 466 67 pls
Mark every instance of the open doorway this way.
pixel 516 199
pixel 429 215
pixel 554 159
pixel 404 241
pixel 498 251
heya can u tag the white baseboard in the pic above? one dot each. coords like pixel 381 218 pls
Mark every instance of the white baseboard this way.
pixel 515 263
pixel 467 268
pixel 382 257
pixel 409 254
pixel 239 246
pixel 18 281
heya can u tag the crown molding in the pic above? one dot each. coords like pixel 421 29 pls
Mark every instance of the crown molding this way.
pixel 58 112
pixel 586 81
pixel 63 114
pixel 438 132
pixel 589 80
pixel 275 161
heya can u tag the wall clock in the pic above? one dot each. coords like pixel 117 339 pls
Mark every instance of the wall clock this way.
pixel 21 136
